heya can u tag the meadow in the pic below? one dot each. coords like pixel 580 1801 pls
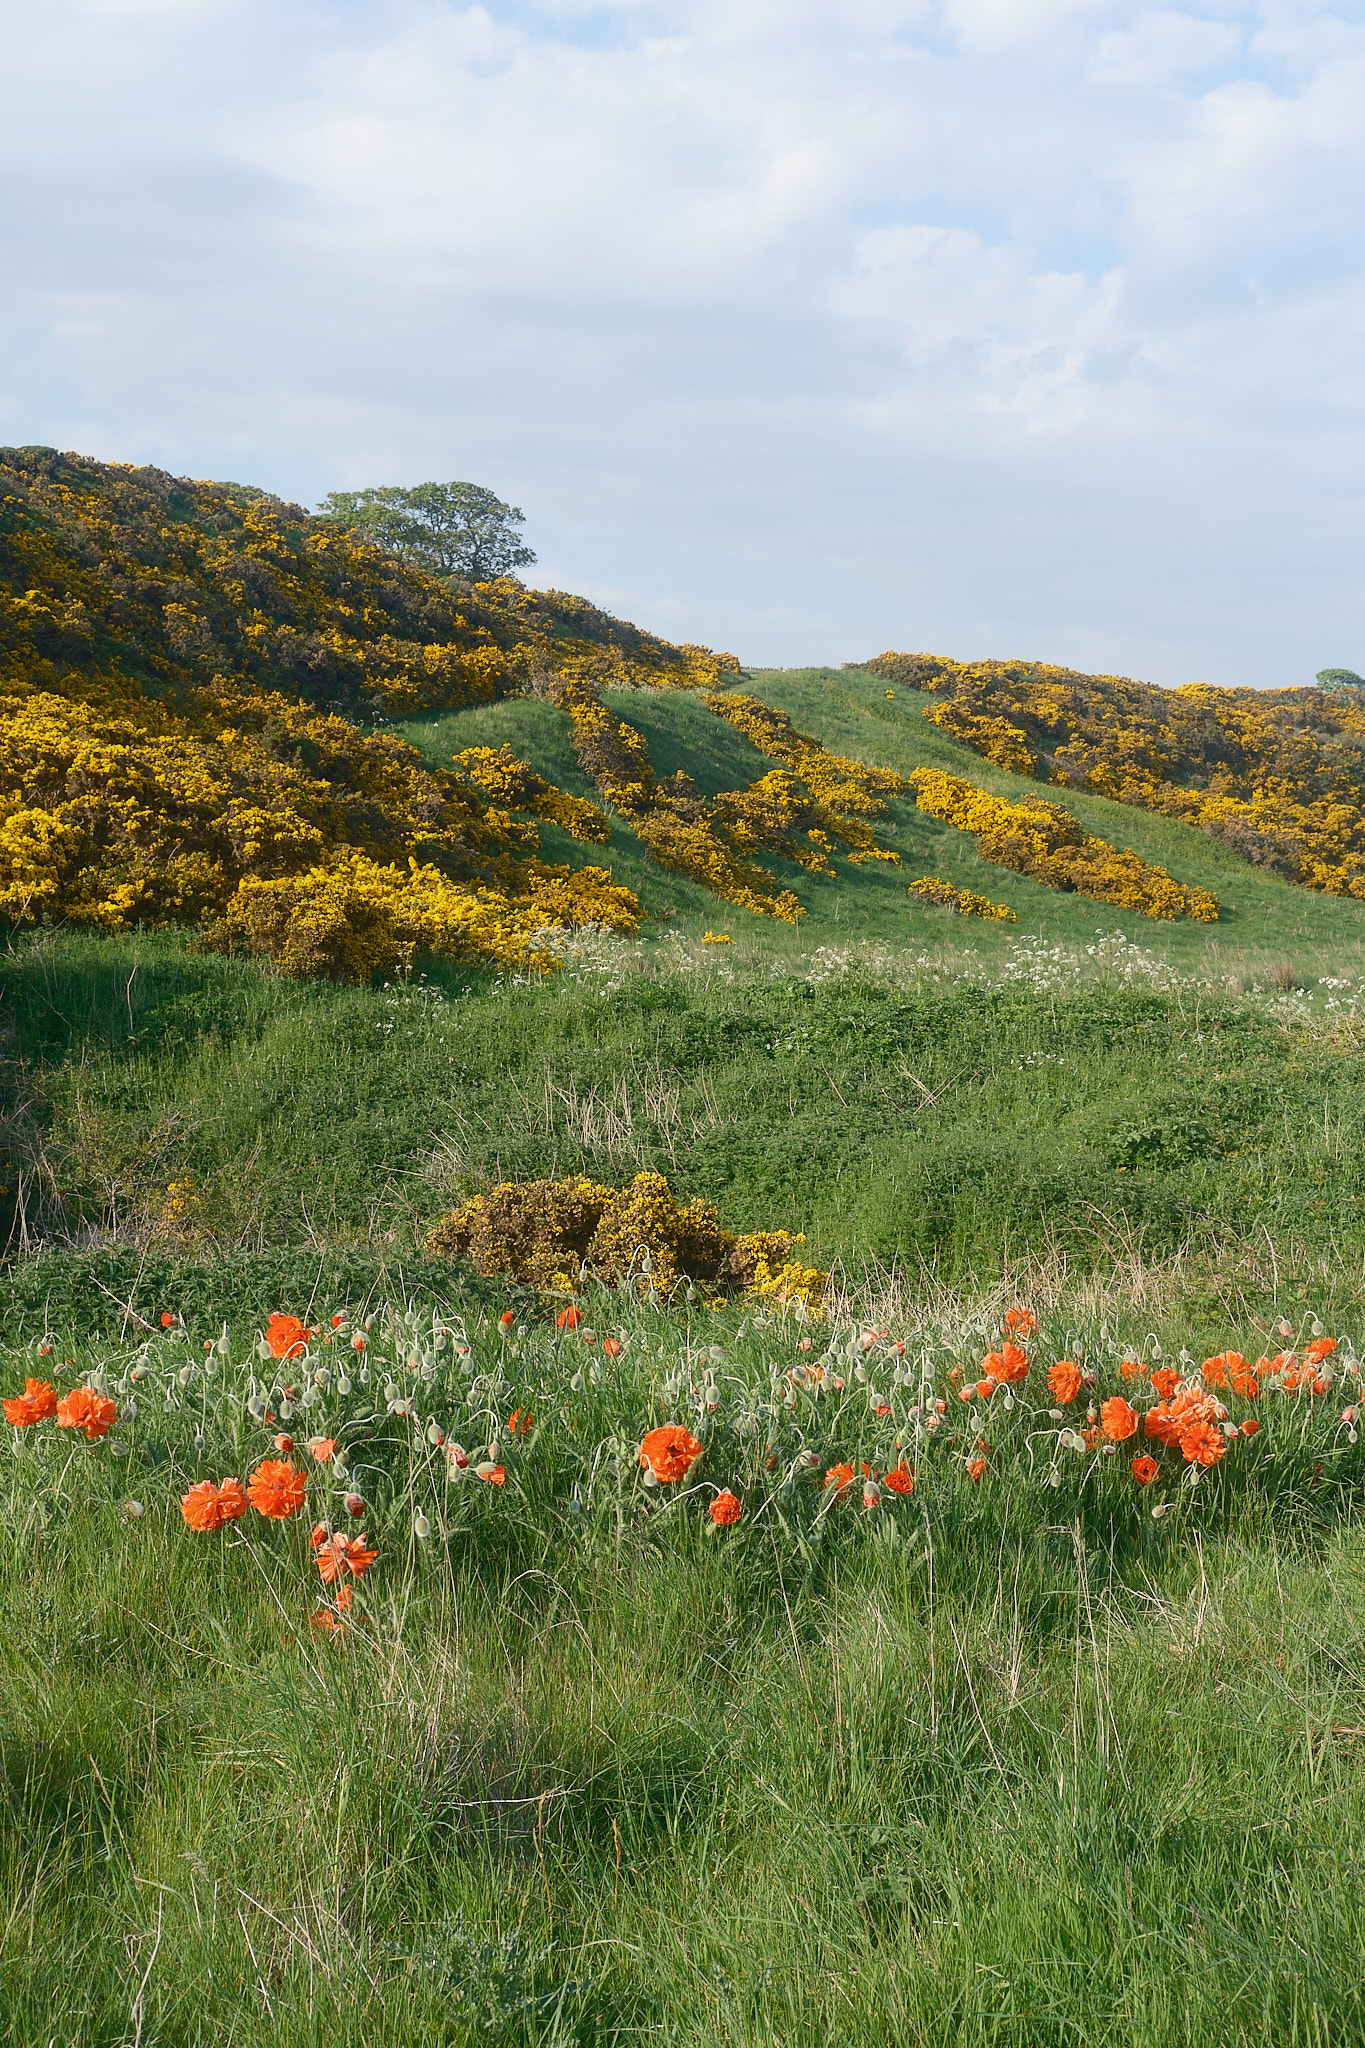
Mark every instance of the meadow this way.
pixel 1030 1752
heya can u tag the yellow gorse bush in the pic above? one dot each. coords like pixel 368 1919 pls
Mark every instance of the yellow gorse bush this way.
pixel 1275 774
pixel 175 663
pixel 547 1232
pixel 933 889
pixel 506 780
pixel 1044 841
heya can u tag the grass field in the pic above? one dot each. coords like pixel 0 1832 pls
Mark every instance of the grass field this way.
pixel 1031 1754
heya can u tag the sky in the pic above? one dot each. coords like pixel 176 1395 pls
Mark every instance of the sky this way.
pixel 977 327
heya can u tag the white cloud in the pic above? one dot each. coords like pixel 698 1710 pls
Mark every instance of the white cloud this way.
pixel 800 326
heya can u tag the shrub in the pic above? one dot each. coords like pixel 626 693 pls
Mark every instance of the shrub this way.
pixel 965 901
pixel 1043 840
pixel 547 1232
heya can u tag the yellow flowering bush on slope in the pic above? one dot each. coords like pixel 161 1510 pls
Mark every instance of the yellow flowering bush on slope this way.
pixel 506 780
pixel 547 1232
pixel 1278 775
pixel 1043 840
pixel 933 889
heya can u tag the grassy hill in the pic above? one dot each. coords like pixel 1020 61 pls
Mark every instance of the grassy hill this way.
pixel 1264 922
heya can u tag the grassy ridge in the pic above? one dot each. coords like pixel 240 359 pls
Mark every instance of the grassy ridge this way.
pixel 1263 919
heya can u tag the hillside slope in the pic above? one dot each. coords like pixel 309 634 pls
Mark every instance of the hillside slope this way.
pixel 1262 917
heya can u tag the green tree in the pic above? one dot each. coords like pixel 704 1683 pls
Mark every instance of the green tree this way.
pixel 1339 679
pixel 447 529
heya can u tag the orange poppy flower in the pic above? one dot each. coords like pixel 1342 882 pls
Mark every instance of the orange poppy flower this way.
pixel 335 1551
pixel 1020 1321
pixel 337 1322
pixel 1165 1380
pixel 1009 1364
pixel 36 1404
pixel 1243 1381
pixel 569 1318
pixel 1133 1369
pixel 276 1489
pixel 355 1505
pixel 287 1336
pixel 901 1478
pixel 1202 1444
pixel 84 1409
pixel 977 1470
pixel 1320 1348
pixel 207 1506
pixel 670 1452
pixel 284 1444
pixel 1215 1371
pixel 725 1509
pixel 840 1477
pixel 521 1422
pixel 612 1346
pixel 1160 1424
pixel 984 1389
pixel 1250 1428
pixel 167 1319
pixel 1064 1381
pixel 1090 1436
pixel 1145 1470
pixel 1119 1418
pixel 496 1475
pixel 324 1449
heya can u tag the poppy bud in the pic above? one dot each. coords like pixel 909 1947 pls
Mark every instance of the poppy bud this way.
pixel 355 1505
pixel 421 1527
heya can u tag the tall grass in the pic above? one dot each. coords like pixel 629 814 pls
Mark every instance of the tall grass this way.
pixel 925 1119
pixel 993 1763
